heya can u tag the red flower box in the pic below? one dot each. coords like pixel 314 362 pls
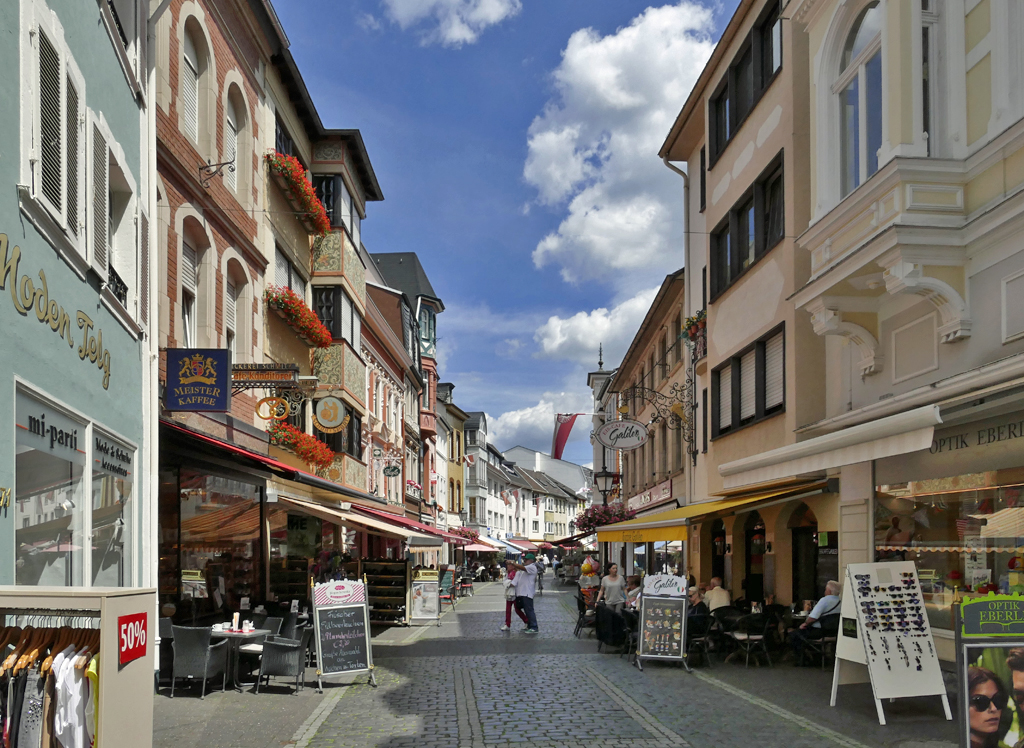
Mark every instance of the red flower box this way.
pixel 290 307
pixel 292 176
pixel 599 515
pixel 309 448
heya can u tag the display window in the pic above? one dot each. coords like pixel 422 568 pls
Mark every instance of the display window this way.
pixel 965 534
pixel 54 515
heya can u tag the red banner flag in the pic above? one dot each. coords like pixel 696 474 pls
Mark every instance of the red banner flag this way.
pixel 563 425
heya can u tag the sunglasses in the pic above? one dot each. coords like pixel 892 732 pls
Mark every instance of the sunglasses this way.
pixel 862 576
pixel 981 703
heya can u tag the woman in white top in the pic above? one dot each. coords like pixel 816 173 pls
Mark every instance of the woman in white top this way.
pixel 613 589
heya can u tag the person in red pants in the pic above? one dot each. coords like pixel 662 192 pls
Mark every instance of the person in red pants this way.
pixel 510 601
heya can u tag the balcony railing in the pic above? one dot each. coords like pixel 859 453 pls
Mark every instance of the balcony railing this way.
pixel 117 286
pixel 699 344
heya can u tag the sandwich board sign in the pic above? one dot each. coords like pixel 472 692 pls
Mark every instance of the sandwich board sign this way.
pixel 885 637
pixel 663 610
pixel 342 625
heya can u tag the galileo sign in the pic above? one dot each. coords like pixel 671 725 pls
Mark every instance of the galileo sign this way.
pixel 622 434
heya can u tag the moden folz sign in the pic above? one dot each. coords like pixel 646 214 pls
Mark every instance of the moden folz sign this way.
pixel 198 379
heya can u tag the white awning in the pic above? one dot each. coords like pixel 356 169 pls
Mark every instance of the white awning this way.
pixel 895 435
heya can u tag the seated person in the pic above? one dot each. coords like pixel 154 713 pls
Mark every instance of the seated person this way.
pixel 811 628
pixel 717 596
pixel 633 592
pixel 697 605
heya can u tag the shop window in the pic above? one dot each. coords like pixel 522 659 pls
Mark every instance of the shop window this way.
pixel 220 541
pixel 752 228
pixel 50 502
pixel 749 386
pixel 113 511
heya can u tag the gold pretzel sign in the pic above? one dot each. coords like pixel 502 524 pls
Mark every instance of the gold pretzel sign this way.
pixel 277 408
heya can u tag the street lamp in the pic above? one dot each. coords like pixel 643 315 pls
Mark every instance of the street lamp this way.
pixel 604 480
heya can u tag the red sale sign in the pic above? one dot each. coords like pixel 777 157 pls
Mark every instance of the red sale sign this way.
pixel 132 633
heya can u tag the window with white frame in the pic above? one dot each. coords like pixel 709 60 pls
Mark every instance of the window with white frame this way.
pixel 287 276
pixel 190 71
pixel 230 317
pixel 859 92
pixel 750 386
pixel 189 269
pixel 231 143
pixel 338 313
pixel 113 202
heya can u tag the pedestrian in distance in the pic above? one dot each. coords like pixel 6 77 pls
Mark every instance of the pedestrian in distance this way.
pixel 526 586
pixel 613 589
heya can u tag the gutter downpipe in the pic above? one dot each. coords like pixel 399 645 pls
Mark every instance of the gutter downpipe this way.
pixel 686 308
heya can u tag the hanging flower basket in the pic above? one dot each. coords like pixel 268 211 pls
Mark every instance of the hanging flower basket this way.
pixel 466 532
pixel 309 448
pixel 600 515
pixel 290 175
pixel 290 307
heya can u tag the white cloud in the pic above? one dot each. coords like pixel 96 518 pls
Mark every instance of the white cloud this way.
pixel 594 148
pixel 368 22
pixel 576 338
pixel 533 426
pixel 452 23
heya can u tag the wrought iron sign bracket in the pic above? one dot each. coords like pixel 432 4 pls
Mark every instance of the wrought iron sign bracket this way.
pixel 208 171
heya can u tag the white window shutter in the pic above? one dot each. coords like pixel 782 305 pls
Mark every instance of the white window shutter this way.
pixel 725 397
pixel 298 285
pixel 230 302
pixel 748 385
pixel 189 269
pixel 190 88
pixel 51 127
pixel 346 319
pixel 774 371
pixel 281 267
pixel 73 147
pixel 231 145
pixel 357 328
pixel 100 217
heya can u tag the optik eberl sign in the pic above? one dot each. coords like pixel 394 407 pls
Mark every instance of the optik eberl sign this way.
pixel 624 434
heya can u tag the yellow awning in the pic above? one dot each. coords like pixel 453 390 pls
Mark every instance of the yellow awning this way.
pixel 671 525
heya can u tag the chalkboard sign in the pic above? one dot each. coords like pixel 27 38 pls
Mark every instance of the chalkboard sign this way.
pixel 662 629
pixel 343 640
pixel 447 580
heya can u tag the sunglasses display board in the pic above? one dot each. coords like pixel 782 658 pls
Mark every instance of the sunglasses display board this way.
pixel 990 667
pixel 884 636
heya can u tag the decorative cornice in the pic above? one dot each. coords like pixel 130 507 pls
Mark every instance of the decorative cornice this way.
pixel 829 321
pixel 905 274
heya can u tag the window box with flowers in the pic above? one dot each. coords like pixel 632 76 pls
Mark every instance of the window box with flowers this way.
pixel 290 307
pixel 307 447
pixel 600 515
pixel 465 532
pixel 290 175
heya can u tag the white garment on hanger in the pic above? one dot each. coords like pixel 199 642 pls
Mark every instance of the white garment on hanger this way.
pixel 69 720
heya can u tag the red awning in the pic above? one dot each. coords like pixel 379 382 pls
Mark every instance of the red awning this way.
pixel 412 524
pixel 480 548
pixel 526 545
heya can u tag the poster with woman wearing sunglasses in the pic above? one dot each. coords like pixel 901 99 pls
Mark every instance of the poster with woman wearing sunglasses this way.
pixel 995 697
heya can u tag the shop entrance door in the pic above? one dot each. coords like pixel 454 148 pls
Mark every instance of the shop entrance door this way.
pixel 718 549
pixel 755 540
pixel 804 527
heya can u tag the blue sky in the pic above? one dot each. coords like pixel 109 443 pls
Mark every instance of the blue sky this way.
pixel 516 144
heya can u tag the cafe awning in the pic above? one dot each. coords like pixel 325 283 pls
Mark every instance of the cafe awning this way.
pixel 411 524
pixel 479 548
pixel 672 525
pixel 525 545
pixel 362 522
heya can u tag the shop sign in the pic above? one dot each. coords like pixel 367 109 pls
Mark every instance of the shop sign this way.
pixel 132 633
pixel 329 415
pixel 392 471
pixel 197 379
pixel 658 494
pixel 624 434
pixel 303 534
pixel 664 585
pixel 265 375
pixel 995 615
pixel 339 593
pixel 111 457
pixel 47 430
pixel 28 299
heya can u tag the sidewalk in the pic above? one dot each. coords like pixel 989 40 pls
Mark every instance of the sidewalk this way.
pixel 466 683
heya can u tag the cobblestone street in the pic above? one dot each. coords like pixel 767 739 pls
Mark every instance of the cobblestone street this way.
pixel 466 683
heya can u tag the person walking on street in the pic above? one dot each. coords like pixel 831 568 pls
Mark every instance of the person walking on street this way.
pixel 613 589
pixel 510 601
pixel 526 586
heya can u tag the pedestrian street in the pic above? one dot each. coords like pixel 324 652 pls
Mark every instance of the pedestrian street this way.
pixel 466 683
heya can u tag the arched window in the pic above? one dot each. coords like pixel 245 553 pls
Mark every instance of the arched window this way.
pixel 237 312
pixel 231 143
pixel 190 71
pixel 859 88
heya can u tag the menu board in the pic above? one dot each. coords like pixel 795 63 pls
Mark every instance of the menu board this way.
pixel 447 581
pixel 662 628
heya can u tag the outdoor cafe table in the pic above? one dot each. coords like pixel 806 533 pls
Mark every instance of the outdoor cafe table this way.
pixel 235 640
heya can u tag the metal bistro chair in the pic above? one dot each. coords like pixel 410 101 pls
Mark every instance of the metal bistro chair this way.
pixel 466 584
pixel 725 617
pixel 285 658
pixel 750 633
pixel 698 636
pixel 828 639
pixel 587 618
pixel 196 657
pixel 632 619
pixel 166 653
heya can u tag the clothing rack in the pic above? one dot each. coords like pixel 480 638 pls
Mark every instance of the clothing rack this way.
pixel 125 709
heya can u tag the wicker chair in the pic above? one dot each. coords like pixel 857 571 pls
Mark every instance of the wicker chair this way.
pixel 285 658
pixel 698 636
pixel 196 657
pixel 829 636
pixel 256 648
pixel 587 618
pixel 290 626
pixel 166 652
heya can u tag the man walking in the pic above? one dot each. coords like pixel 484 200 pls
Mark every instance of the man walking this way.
pixel 526 586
